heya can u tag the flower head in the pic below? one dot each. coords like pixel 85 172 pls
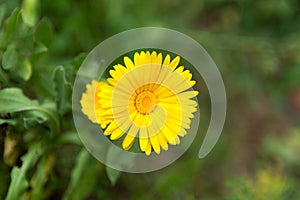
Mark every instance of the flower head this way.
pixel 149 98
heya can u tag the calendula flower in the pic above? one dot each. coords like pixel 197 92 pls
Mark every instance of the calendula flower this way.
pixel 149 98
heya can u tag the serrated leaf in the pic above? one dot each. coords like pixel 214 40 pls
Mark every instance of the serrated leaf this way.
pixel 30 12
pixel 19 182
pixel 112 174
pixel 44 32
pixel 10 58
pixel 62 89
pixel 13 100
pixel 24 70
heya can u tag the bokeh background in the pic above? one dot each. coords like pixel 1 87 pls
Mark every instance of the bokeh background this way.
pixel 255 44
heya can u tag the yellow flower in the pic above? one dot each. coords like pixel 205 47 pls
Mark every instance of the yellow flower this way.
pixel 149 98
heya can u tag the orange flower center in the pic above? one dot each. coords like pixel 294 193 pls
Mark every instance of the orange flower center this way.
pixel 145 101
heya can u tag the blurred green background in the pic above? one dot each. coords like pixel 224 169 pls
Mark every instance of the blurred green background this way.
pixel 255 44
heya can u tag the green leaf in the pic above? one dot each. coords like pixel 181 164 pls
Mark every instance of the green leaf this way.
pixel 3 77
pixel 8 121
pixel 2 13
pixel 44 32
pixel 40 178
pixel 113 157
pixel 62 89
pixel 13 100
pixel 32 118
pixel 10 58
pixel 72 67
pixel 83 177
pixel 113 175
pixel 19 182
pixel 3 42
pixel 30 12
pixel 25 70
pixel 11 24
pixel 69 138
pixel 39 48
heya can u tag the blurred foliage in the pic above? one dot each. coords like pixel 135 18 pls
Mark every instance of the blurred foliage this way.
pixel 256 45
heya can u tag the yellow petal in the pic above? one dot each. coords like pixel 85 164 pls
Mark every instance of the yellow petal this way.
pixel 167 60
pixel 103 125
pixel 137 61
pixel 187 75
pixel 115 74
pixel 175 62
pixel 116 134
pixel 177 140
pixel 148 149
pixel 192 83
pixel 128 142
pixel 111 127
pixel 182 132
pixel 128 63
pixel 188 94
pixel 112 81
pixel 89 100
pixel 162 141
pixel 142 57
pixel 180 69
pixel 169 135
pixel 147 59
pixel 155 144
pixel 143 139
pixel 129 139
pixel 157 59
pixel 153 57
pixel 120 68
